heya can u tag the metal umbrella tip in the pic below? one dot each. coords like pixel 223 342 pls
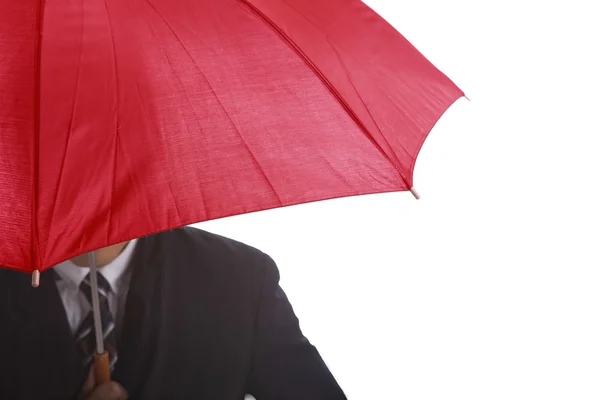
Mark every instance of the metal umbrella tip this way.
pixel 35 278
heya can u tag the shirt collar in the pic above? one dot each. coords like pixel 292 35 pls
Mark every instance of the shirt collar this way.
pixel 113 271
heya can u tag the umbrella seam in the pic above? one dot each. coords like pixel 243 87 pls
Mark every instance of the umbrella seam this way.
pixel 343 65
pixel 401 175
pixel 364 104
pixel 325 82
pixel 116 121
pixel 255 161
pixel 191 104
pixel 70 131
pixel 35 253
pixel 134 182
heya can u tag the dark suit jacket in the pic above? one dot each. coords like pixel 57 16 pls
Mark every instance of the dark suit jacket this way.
pixel 205 318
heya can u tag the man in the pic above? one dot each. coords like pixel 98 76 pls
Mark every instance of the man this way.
pixel 187 315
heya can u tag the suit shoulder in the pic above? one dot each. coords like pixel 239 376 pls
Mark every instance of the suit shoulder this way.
pixel 197 242
pixel 230 265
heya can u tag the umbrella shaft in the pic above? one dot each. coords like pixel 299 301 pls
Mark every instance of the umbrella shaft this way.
pixel 96 304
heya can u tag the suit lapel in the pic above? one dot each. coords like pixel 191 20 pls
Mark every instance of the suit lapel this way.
pixel 44 348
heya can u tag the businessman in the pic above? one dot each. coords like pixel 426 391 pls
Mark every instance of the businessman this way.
pixel 186 315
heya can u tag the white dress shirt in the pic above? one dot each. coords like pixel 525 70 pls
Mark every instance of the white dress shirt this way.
pixel 116 273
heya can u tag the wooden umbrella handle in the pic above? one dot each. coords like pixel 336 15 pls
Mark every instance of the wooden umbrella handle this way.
pixel 101 368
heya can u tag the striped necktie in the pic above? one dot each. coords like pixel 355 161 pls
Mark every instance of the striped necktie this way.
pixel 85 337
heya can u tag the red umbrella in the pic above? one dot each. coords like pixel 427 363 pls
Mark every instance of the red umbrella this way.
pixel 120 119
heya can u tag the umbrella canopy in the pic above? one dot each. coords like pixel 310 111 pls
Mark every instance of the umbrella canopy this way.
pixel 123 118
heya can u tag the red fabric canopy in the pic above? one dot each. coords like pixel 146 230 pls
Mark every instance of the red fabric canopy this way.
pixel 120 119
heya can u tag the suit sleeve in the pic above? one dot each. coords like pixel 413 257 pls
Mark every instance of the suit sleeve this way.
pixel 285 364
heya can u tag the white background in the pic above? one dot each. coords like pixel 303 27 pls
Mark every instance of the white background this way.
pixel 489 286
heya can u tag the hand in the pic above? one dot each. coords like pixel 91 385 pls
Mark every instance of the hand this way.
pixel 106 391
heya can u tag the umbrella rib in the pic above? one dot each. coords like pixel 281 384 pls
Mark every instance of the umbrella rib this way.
pixel 134 182
pixel 35 251
pixel 69 133
pixel 193 109
pixel 371 114
pixel 255 161
pixel 326 82
pixel 116 122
